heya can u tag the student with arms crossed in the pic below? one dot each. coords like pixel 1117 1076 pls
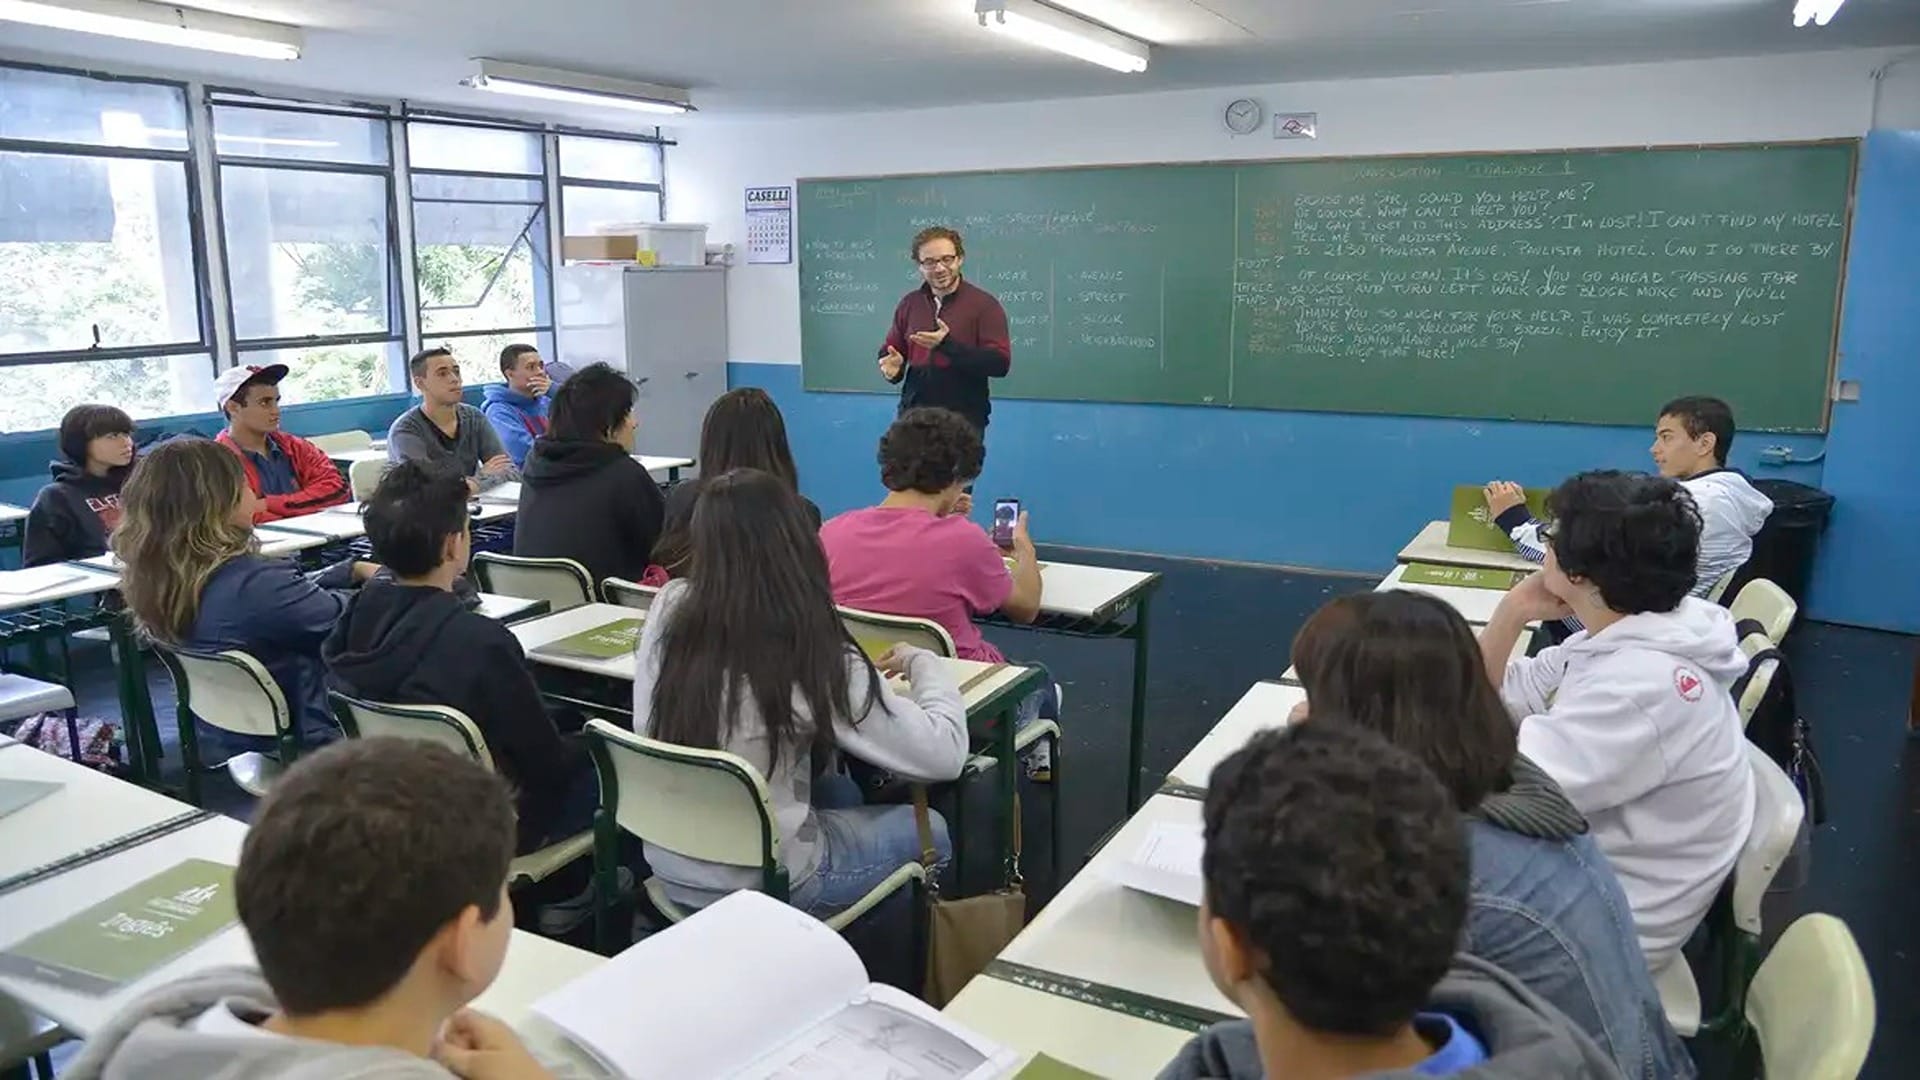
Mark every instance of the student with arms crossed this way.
pixel 1632 716
pixel 1544 905
pixel 916 553
pixel 194 579
pixel 373 886
pixel 72 516
pixel 1336 887
pixel 749 656
pixel 411 641
pixel 517 408
pixel 743 430
pixel 583 496
pixel 291 475
pixel 444 429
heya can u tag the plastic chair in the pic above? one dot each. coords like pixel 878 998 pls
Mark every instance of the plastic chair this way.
pixel 1757 687
pixel 1811 1004
pixel 364 476
pixel 562 583
pixel 1734 924
pixel 233 692
pixel 454 730
pixel 628 593
pixel 703 804
pixel 1720 586
pixel 342 442
pixel 1767 604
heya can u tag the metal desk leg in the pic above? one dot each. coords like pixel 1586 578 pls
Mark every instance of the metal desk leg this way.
pixel 1009 792
pixel 136 702
pixel 1137 723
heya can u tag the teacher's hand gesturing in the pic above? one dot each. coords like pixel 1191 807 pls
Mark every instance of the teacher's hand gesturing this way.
pixel 930 339
pixel 891 363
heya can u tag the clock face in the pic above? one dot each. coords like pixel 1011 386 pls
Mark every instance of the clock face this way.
pixel 1243 117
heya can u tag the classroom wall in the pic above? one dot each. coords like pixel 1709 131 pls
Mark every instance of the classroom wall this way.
pixel 1332 491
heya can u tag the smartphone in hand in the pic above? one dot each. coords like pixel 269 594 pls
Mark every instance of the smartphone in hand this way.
pixel 1006 513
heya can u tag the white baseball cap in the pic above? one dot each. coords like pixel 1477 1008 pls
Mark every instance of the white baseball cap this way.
pixel 231 380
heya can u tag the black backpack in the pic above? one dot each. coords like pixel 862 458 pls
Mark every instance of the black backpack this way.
pixel 1777 727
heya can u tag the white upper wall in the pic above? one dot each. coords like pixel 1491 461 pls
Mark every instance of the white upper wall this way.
pixel 1803 96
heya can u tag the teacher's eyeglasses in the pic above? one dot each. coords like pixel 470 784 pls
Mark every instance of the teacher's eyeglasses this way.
pixel 944 262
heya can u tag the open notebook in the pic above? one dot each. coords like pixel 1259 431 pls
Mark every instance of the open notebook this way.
pixel 754 989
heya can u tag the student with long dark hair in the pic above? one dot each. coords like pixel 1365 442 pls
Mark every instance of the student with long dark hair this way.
pixel 72 516
pixel 1546 906
pixel 749 656
pixel 743 430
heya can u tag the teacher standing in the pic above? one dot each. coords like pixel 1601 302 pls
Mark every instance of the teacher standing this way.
pixel 949 336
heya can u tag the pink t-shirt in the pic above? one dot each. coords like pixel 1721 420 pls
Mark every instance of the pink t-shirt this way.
pixel 902 561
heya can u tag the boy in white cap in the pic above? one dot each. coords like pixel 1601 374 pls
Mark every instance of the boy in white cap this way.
pixel 294 476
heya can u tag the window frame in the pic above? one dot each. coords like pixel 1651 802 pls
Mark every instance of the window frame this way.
pixel 657 188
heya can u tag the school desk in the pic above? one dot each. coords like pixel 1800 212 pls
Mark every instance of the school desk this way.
pixel 1474 605
pixel 669 465
pixel 1074 1030
pixel 1430 545
pixel 1265 705
pixel 90 808
pixel 510 609
pixel 13 525
pixel 1095 602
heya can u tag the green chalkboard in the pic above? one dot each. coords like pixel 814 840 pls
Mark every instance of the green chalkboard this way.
pixel 1584 286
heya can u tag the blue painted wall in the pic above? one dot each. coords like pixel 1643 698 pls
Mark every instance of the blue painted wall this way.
pixel 1865 573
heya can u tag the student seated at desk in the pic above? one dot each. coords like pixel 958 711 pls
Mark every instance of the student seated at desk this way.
pixel 917 554
pixel 1632 716
pixel 517 408
pixel 583 496
pixel 443 428
pixel 749 656
pixel 1545 905
pixel 743 430
pixel 411 641
pixel 292 476
pixel 194 579
pixel 373 886
pixel 72 516
pixel 1336 888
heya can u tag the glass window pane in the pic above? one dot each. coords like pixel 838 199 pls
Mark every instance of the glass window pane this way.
pixel 585 211
pixel 479 355
pixel 332 372
pixel 297 136
pixel 480 267
pixel 482 188
pixel 33 397
pixel 306 252
pixel 468 149
pixel 585 158
pixel 54 107
pixel 92 244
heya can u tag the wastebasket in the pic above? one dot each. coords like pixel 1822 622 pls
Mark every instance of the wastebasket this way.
pixel 1783 549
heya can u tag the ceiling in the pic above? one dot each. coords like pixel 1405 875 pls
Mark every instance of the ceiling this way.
pixel 783 57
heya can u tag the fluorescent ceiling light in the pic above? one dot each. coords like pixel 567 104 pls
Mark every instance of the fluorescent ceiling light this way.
pixel 551 84
pixel 1063 31
pixel 1817 12
pixel 161 24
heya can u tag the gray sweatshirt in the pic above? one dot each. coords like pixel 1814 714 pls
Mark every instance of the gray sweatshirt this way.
pixel 413 437
pixel 160 1036
pixel 1525 1038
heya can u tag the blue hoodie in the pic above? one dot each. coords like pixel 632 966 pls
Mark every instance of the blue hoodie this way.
pixel 517 418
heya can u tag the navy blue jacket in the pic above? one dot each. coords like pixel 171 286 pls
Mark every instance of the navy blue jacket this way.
pixel 271 610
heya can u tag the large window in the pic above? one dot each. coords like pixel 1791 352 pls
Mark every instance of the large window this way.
pixel 98 251
pixel 306 201
pixel 481 249
pixel 606 183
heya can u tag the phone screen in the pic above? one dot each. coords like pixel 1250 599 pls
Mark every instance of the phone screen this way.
pixel 1005 513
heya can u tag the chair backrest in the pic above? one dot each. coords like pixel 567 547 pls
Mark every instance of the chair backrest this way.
pixel 1778 810
pixel 1767 604
pixel 340 442
pixel 562 583
pixel 876 633
pixel 230 690
pixel 704 804
pixel 434 723
pixel 1720 587
pixel 1811 1003
pixel 628 593
pixel 364 477
pixel 1756 689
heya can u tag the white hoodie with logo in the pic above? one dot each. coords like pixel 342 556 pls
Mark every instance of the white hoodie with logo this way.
pixel 1637 725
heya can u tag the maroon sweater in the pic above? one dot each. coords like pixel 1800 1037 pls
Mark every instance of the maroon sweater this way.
pixel 954 375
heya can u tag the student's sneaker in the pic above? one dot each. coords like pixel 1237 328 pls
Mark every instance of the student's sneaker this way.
pixel 1037 760
pixel 563 917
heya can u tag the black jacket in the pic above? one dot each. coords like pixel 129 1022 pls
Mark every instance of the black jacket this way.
pixel 590 502
pixel 408 645
pixel 72 517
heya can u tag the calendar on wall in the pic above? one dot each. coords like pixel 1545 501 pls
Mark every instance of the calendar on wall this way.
pixel 770 225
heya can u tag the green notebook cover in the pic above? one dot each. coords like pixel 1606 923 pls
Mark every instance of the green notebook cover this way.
pixel 1467 577
pixel 1043 1067
pixel 615 639
pixel 1470 525
pixel 122 938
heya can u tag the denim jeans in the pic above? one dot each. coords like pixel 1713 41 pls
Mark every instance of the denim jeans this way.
pixel 860 846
